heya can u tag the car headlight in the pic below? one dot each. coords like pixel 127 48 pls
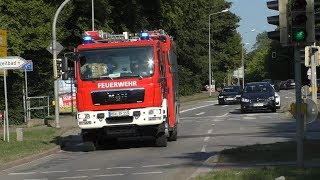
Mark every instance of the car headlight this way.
pixel 220 96
pixel 271 98
pixel 238 96
pixel 245 100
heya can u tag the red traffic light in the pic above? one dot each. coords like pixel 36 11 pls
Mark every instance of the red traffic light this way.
pixel 300 19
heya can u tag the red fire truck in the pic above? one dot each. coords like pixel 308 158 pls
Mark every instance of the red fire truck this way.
pixel 127 85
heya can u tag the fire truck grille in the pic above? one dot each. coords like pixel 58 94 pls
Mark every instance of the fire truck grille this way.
pixel 117 96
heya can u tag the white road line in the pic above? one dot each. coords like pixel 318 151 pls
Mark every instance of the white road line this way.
pixel 120 168
pixel 249 118
pixel 143 173
pixel 210 131
pixel 156 165
pixel 37 179
pixel 186 110
pixel 88 170
pixel 200 113
pixel 206 139
pixel 223 115
pixel 225 106
pixel 203 149
pixel 74 177
pixel 218 120
pixel 23 173
pixel 108 175
pixel 46 157
pixel 48 172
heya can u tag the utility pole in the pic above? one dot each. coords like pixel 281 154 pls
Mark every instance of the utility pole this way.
pixel 54 53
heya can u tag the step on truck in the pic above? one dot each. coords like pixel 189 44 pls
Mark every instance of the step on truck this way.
pixel 127 86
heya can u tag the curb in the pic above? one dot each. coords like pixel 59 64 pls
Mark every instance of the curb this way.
pixel 29 158
pixel 206 167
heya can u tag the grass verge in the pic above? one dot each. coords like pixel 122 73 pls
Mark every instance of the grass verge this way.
pixel 197 97
pixel 263 174
pixel 34 141
pixel 281 151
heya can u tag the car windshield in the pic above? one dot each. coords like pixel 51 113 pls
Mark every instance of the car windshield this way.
pixel 257 88
pixel 231 89
pixel 114 63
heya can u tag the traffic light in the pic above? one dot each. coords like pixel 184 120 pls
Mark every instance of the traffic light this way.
pixel 316 17
pixel 281 34
pixel 57 68
pixel 302 22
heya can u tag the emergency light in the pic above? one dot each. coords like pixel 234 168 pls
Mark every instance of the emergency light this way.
pixel 87 39
pixel 144 35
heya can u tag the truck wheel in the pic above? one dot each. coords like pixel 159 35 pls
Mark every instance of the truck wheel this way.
pixel 89 146
pixel 173 135
pixel 161 140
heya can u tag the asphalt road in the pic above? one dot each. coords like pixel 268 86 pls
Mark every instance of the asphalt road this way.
pixel 205 129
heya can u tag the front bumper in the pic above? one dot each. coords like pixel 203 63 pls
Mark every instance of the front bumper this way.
pixel 138 117
pixel 229 100
pixel 261 105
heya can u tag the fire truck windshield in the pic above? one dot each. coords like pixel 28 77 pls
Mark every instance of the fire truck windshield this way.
pixel 111 63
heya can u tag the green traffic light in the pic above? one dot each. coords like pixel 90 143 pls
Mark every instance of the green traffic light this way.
pixel 300 36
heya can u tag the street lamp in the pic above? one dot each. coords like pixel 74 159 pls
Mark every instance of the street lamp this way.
pixel 225 10
pixel 242 60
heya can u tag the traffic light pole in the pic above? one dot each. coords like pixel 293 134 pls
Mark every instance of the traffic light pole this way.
pixel 299 120
pixel 313 74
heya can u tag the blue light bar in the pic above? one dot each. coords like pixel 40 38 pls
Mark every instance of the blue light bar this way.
pixel 144 35
pixel 87 39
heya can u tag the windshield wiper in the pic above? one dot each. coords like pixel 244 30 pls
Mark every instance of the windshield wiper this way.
pixel 131 75
pixel 105 77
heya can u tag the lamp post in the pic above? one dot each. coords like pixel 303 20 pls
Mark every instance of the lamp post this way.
pixel 225 10
pixel 242 60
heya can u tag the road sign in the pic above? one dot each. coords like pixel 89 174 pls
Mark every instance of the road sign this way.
pixel 28 66
pixel 293 109
pixel 12 62
pixel 312 111
pixel 59 47
pixel 3 43
pixel 3 38
pixel 305 91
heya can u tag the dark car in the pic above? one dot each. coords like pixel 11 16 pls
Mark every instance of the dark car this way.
pixel 258 96
pixel 230 94
pixel 283 85
pixel 290 84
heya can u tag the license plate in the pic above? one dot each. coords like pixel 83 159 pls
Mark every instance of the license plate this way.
pixel 229 99
pixel 258 104
pixel 118 113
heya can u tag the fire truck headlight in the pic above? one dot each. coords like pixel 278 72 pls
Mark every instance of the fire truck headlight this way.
pixel 81 116
pixel 87 116
pixel 136 114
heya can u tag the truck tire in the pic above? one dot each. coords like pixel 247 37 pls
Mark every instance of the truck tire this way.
pixel 173 135
pixel 161 140
pixel 89 146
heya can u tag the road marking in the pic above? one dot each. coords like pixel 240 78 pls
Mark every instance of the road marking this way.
pixel 120 168
pixel 88 170
pixel 143 173
pixel 288 97
pixel 37 179
pixel 48 172
pixel 108 175
pixel 218 120
pixel 74 177
pixel 206 139
pixel 23 173
pixel 210 131
pixel 203 149
pixel 249 118
pixel 200 113
pixel 212 124
pixel 225 106
pixel 223 115
pixel 156 165
pixel 186 110
pixel 46 157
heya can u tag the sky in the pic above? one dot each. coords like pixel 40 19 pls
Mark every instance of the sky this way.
pixel 253 14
